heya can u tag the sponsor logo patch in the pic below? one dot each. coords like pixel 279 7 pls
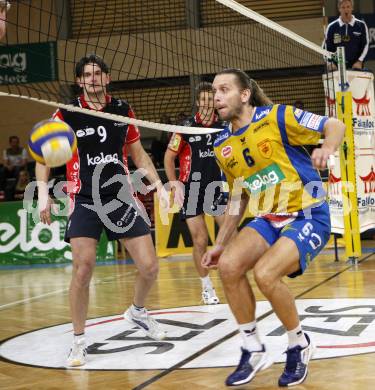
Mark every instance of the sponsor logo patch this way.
pixel 206 153
pixel 336 38
pixel 298 113
pixel 232 163
pixel 102 159
pixel 311 121
pixel 174 143
pixel 261 126
pixel 259 115
pixel 265 148
pixel 265 178
pixel 226 151
pixel 197 138
pixel 221 137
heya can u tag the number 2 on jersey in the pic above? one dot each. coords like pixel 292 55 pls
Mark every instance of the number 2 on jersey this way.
pixel 246 155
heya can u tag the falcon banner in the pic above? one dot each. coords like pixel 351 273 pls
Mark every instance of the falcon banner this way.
pixel 363 106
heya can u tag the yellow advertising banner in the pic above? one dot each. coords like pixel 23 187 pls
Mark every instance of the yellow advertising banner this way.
pixel 172 236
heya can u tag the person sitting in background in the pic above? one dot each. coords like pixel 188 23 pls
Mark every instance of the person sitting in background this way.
pixel 15 158
pixel 349 32
pixel 23 181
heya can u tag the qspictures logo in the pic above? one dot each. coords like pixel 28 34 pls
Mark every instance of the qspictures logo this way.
pixel 338 327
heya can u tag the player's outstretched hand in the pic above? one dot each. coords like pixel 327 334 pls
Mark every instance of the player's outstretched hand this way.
pixel 321 158
pixel 211 258
pixel 163 196
pixel 178 193
pixel 44 205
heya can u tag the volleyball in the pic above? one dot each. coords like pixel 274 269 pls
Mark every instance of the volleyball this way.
pixel 52 143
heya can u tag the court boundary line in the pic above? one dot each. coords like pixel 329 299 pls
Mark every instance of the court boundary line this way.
pixel 64 290
pixel 207 348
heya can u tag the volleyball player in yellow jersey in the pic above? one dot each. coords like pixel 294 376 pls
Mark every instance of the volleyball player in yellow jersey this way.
pixel 262 156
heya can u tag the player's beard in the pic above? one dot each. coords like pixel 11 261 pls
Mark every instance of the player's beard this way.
pixel 232 113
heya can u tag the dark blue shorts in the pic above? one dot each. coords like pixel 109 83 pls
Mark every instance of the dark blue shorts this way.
pixel 206 200
pixel 119 220
pixel 310 231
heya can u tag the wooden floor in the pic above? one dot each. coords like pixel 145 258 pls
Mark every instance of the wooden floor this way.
pixel 31 299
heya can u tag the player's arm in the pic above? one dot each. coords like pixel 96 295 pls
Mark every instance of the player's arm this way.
pixel 365 43
pixel 44 202
pixel 170 164
pixel 142 160
pixel 173 150
pixel 333 131
pixel 176 187
pixel 232 217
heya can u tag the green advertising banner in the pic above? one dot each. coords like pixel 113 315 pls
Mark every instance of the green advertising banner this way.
pixel 29 63
pixel 25 241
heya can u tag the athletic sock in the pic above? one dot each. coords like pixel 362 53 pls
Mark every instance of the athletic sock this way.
pixel 250 337
pixel 206 283
pixel 297 337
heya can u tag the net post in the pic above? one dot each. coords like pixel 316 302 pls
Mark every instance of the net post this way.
pixel 347 164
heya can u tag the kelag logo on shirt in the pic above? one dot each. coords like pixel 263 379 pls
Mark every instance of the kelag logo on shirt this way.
pixel 265 178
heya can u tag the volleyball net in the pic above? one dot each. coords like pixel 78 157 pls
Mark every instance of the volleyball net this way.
pixel 157 52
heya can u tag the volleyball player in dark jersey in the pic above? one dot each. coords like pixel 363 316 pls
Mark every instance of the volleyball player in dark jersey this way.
pixel 200 180
pixel 101 197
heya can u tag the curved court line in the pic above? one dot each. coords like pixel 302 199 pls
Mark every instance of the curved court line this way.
pixel 177 366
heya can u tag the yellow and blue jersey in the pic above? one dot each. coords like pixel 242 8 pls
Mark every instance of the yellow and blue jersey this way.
pixel 268 160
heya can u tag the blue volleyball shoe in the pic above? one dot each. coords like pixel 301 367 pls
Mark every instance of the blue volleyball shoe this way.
pixel 250 363
pixel 297 360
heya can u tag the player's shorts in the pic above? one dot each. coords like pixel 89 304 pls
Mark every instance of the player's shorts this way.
pixel 206 200
pixel 89 220
pixel 310 230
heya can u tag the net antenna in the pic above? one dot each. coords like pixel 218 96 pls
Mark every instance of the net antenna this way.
pixel 156 54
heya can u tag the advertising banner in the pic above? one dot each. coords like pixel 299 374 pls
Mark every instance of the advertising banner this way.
pixel 28 63
pixel 24 242
pixel 172 236
pixel 363 106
